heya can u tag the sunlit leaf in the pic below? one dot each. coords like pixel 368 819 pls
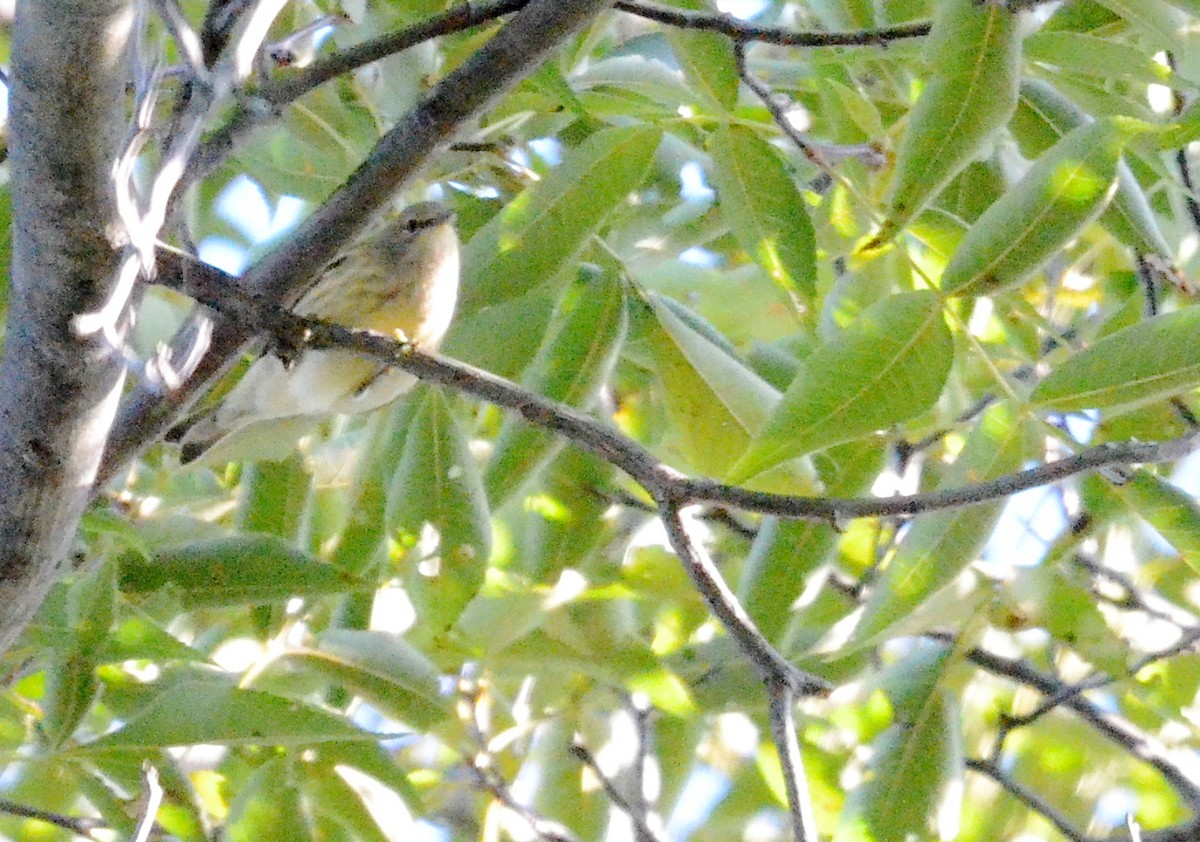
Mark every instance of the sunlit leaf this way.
pixel 1147 361
pixel 763 207
pixel 976 54
pixel 899 347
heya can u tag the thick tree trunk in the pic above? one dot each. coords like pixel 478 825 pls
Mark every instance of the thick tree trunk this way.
pixel 58 389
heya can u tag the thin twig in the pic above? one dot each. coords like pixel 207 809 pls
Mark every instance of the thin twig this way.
pixel 740 30
pixel 85 827
pixel 637 818
pixel 483 767
pixel 153 796
pixel 294 84
pixel 823 155
pixel 1027 797
pixel 783 731
pixel 774 669
pixel 290 86
pixel 1180 771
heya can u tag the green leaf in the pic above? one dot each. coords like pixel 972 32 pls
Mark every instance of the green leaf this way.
pixel 274 494
pixel 1043 116
pixel 333 799
pixel 1091 55
pixel 1148 361
pixel 101 522
pixel 239 570
pixel 910 775
pixel 92 606
pixel 763 207
pixel 1063 191
pixel 381 668
pixel 438 484
pixel 269 807
pixel 975 50
pixel 940 545
pixel 914 764
pixel 707 62
pixel 192 711
pixel 899 347
pixel 1155 18
pixel 714 400
pixel 565 520
pixel 498 337
pixel 1072 616
pixel 782 556
pixel 1172 512
pixel 70 690
pixel 543 229
pixel 137 637
pixel 571 367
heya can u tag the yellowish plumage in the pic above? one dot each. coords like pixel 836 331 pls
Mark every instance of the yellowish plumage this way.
pixel 400 280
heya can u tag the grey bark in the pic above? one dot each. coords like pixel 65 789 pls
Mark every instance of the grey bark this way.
pixel 58 390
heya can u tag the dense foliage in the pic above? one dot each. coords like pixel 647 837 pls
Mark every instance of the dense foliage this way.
pixel 855 270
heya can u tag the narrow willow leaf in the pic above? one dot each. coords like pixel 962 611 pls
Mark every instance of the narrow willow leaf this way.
pixel 274 494
pixel 541 231
pixel 373 759
pixel 707 62
pixel 940 545
pixel 92 606
pixel 1155 18
pixel 193 711
pixel 438 484
pixel 137 637
pixel 714 400
pixel 785 553
pixel 889 365
pixel 70 690
pixel 379 667
pixel 571 367
pixel 1063 191
pixel 565 522
pixel 1091 55
pixel 913 767
pixel 976 51
pixel 782 556
pixel 331 799
pixel 763 207
pixel 269 807
pixel 498 338
pixel 239 570
pixel 1144 362
pixel 1172 512
pixel 1043 116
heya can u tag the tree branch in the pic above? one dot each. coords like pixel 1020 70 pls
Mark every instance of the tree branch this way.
pixel 1027 797
pixel 783 731
pixel 1182 772
pixel 293 84
pixel 59 387
pixel 213 287
pixel 740 30
pixel 468 92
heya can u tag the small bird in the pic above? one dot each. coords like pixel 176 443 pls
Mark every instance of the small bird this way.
pixel 400 280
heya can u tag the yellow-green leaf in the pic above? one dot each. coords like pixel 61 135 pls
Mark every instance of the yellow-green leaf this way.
pixel 1144 362
pixel 763 207
pixel 976 50
pixel 888 366
pixel 1063 191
